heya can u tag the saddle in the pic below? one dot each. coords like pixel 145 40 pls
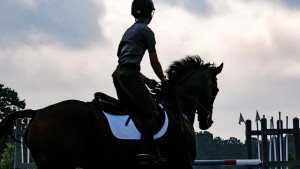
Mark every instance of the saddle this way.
pixel 123 123
pixel 109 104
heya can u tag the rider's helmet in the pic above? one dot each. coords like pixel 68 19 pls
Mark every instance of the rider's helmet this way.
pixel 142 9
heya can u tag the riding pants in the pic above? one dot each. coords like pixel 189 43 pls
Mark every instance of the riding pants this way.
pixel 133 93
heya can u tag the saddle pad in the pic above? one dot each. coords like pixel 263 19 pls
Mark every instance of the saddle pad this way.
pixel 122 131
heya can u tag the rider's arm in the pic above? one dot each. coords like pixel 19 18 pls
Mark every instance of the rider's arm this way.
pixel 156 66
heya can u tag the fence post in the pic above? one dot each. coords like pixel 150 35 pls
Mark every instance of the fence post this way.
pixel 264 137
pixel 249 140
pixel 280 138
pixel 297 142
pixel 18 136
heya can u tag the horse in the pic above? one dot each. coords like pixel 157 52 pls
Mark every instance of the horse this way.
pixel 74 133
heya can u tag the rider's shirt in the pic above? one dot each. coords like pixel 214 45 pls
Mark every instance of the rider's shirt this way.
pixel 136 40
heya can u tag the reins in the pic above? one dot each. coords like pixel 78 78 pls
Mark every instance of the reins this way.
pixel 194 100
pixel 191 98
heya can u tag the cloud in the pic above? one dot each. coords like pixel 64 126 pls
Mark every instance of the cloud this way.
pixel 74 23
pixel 258 44
pixel 56 50
pixel 202 7
pixel 47 74
pixel 292 4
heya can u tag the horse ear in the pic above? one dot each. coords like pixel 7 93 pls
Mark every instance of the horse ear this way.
pixel 218 69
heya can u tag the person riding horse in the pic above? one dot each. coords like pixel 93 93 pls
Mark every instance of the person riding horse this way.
pixel 74 133
pixel 130 83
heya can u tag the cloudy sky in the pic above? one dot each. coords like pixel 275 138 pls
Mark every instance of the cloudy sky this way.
pixel 56 50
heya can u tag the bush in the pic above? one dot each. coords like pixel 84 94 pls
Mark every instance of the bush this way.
pixel 7 156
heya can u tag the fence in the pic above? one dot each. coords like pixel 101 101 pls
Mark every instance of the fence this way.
pixel 278 160
pixel 22 158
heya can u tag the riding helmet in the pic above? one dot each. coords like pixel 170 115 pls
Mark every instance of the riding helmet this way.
pixel 142 8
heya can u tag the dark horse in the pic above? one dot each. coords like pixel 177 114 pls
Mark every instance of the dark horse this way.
pixel 74 133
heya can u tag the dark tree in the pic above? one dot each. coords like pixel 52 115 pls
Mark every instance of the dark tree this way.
pixel 209 147
pixel 9 101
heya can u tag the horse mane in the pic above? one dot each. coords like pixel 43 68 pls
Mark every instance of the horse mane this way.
pixel 181 67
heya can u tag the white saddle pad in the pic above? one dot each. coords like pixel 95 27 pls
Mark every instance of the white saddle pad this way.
pixel 122 131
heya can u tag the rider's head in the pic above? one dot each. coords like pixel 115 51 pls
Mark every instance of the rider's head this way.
pixel 142 9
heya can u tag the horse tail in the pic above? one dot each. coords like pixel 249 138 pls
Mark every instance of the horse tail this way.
pixel 6 125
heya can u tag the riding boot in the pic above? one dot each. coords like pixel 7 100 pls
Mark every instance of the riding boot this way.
pixel 149 154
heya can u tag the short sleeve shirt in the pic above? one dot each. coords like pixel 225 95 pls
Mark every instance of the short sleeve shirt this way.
pixel 135 41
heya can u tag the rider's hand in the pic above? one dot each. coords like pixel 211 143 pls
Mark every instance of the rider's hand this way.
pixel 165 86
pixel 151 83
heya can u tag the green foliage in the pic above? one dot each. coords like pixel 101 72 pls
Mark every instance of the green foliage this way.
pixel 291 156
pixel 9 101
pixel 3 142
pixel 7 156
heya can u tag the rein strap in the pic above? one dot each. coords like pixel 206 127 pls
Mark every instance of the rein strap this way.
pixel 194 100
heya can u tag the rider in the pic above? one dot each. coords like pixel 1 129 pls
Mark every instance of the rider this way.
pixel 130 83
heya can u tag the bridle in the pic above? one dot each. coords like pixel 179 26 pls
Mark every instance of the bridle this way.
pixel 199 105
pixel 207 112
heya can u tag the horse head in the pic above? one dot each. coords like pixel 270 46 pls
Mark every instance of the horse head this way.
pixel 194 84
pixel 205 104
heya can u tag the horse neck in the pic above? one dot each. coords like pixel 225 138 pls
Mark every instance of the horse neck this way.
pixel 170 101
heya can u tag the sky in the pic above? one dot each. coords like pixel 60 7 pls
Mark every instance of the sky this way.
pixel 52 51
